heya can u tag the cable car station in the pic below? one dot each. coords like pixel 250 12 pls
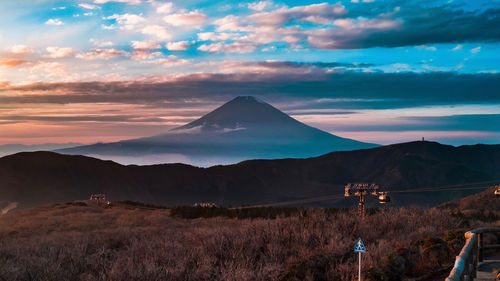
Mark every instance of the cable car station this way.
pixel 364 189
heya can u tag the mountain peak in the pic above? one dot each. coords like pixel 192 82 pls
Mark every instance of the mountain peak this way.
pixel 241 112
pixel 246 99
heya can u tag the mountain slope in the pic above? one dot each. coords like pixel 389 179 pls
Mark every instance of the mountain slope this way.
pixel 483 202
pixel 243 128
pixel 43 177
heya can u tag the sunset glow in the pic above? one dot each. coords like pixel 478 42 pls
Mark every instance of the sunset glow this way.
pixel 376 71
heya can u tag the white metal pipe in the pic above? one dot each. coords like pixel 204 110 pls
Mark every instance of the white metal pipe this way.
pixel 359 273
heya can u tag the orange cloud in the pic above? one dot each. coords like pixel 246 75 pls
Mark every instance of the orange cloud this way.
pixel 8 63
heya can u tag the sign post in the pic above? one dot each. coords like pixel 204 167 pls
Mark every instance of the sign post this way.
pixel 359 248
pixel 359 262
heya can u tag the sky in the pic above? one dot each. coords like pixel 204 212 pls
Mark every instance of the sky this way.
pixel 372 70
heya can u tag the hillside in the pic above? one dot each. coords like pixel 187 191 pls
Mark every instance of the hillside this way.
pixel 76 241
pixel 45 177
pixel 483 202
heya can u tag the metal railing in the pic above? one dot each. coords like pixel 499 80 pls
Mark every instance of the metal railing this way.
pixel 472 253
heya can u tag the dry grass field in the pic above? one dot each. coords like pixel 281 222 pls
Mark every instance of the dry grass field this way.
pixel 126 242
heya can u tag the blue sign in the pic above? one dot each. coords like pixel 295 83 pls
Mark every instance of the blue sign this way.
pixel 359 247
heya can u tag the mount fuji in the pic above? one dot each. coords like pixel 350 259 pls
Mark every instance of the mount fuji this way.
pixel 241 129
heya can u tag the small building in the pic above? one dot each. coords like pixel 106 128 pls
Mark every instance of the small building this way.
pixel 100 200
pixel 98 197
pixel 206 205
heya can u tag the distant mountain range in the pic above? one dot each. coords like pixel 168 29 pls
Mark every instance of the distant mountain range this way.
pixel 7 149
pixel 243 128
pixel 33 178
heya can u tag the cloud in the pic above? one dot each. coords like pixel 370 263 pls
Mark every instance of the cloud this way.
pixel 457 48
pixel 345 23
pixel 347 90
pixel 422 25
pixel 144 54
pixel 279 67
pixel 212 36
pixel 269 18
pixel 57 52
pixel 165 8
pixel 8 63
pixel 143 45
pixel 322 12
pixel 400 66
pixel 132 2
pixel 100 43
pixel 127 21
pixel 473 122
pixel 285 24
pixel 475 50
pixel 157 31
pixel 363 27
pixel 81 118
pixel 351 34
pixel 320 9
pixel 50 70
pixel 54 22
pixel 259 6
pixel 178 46
pixel 268 49
pixel 108 27
pixel 171 61
pixel 230 23
pixel 192 19
pixel 104 54
pixel 255 34
pixel 20 49
pixel 228 48
pixel 89 6
pixel 425 47
pixel 317 20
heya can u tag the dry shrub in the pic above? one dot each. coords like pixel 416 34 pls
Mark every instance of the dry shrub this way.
pixel 67 242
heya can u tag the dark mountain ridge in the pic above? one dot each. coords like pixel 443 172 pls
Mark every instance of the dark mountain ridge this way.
pixel 34 178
